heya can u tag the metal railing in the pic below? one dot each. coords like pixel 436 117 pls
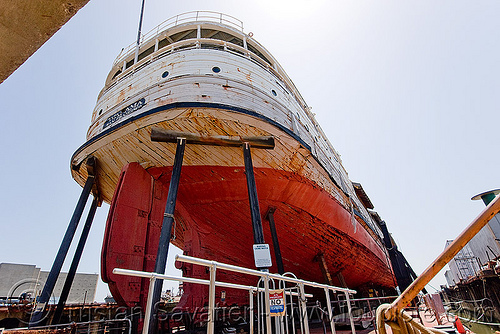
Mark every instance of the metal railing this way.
pixel 296 290
pixel 194 16
pixel 113 326
pixel 363 310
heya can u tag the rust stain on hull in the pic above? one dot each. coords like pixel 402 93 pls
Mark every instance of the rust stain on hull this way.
pixel 213 208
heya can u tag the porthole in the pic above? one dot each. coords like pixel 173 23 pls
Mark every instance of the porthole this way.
pixel 274 92
pixel 216 69
pixel 164 74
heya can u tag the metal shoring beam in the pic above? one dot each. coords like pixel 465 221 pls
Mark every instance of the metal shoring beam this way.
pixel 48 288
pixel 274 235
pixel 166 230
pixel 74 264
pixel 258 233
pixel 263 142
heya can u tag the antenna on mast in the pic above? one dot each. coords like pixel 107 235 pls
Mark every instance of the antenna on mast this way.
pixel 139 34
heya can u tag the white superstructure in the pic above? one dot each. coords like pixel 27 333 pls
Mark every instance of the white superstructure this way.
pixel 205 59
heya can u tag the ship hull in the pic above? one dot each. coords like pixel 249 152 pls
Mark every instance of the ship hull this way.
pixel 209 78
pixel 213 222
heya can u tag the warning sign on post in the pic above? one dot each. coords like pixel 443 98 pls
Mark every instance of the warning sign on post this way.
pixel 262 255
pixel 277 302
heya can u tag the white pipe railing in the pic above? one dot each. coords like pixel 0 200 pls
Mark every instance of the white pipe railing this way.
pixel 253 272
pixel 194 16
pixel 265 276
pixel 144 274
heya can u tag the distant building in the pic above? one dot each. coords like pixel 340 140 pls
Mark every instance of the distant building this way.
pixel 483 247
pixel 464 265
pixel 485 244
pixel 27 281
pixel 450 280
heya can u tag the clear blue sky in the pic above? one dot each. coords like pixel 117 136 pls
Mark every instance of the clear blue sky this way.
pixel 407 92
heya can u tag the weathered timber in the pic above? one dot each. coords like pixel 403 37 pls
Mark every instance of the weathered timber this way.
pixel 161 135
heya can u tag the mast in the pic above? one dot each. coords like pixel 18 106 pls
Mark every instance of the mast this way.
pixel 139 33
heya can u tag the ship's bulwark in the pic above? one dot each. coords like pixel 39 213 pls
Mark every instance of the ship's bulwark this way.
pixel 212 209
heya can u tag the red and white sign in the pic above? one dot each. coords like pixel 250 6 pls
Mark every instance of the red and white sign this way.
pixel 277 302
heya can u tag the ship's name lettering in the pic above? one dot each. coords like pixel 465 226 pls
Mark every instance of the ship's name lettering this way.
pixel 124 112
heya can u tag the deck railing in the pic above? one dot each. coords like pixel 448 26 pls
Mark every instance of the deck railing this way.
pixel 195 16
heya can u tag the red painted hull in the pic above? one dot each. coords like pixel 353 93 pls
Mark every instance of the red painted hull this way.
pixel 213 222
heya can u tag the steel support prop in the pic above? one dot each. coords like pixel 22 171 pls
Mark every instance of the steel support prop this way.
pixel 276 244
pixel 38 315
pixel 74 264
pixel 258 234
pixel 166 230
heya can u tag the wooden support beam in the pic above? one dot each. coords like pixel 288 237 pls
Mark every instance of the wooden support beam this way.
pixel 324 268
pixel 162 135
